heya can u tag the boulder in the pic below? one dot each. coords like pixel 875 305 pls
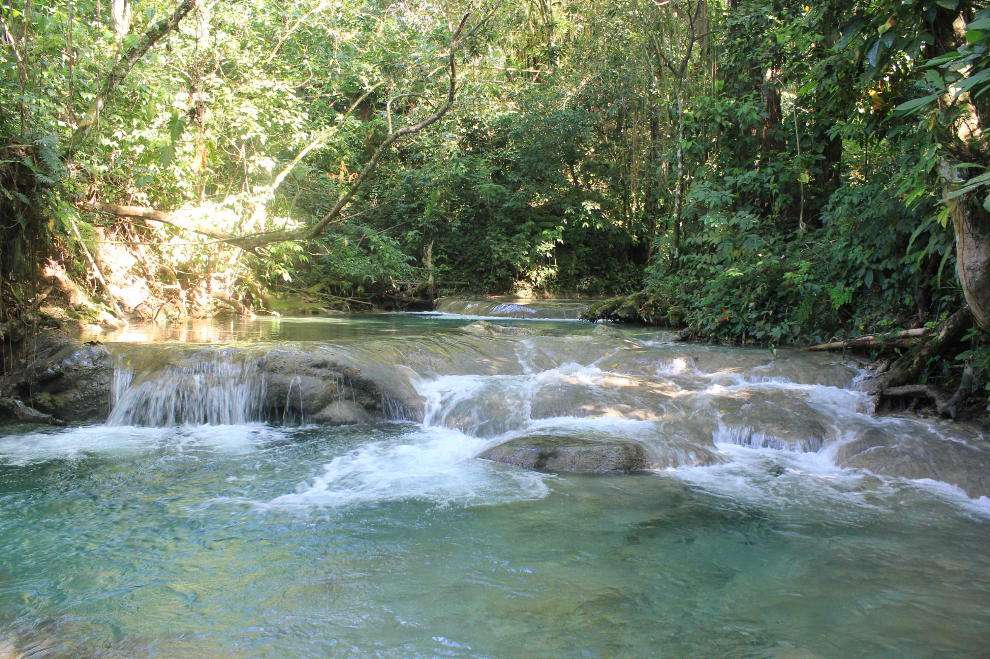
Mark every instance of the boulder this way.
pixel 342 413
pixel 332 388
pixel 561 453
pixel 72 384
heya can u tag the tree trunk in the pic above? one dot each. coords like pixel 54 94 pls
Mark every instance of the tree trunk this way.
pixel 653 181
pixel 430 280
pixel 121 10
pixel 972 229
pixel 679 188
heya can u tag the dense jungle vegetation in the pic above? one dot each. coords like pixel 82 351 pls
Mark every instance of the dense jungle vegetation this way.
pixel 760 171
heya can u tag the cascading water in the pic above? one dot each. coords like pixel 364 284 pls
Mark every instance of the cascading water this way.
pixel 536 310
pixel 780 517
pixel 214 390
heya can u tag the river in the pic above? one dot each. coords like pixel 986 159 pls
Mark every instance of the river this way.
pixel 214 515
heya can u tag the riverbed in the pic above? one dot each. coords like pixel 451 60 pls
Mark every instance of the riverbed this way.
pixel 779 516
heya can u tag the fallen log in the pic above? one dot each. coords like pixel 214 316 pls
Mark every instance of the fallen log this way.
pixel 906 337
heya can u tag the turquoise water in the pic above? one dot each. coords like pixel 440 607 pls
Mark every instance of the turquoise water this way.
pixel 334 328
pixel 393 540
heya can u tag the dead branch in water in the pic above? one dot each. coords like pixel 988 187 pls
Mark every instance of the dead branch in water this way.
pixel 906 337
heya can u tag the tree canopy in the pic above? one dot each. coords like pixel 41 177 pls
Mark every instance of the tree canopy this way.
pixel 761 170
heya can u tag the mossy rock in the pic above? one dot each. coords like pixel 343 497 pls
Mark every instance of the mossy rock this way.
pixel 638 307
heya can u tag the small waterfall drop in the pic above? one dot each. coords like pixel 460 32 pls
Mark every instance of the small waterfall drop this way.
pixel 213 391
pixel 533 310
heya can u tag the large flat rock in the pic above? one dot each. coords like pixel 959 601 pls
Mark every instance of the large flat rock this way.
pixel 965 464
pixel 562 453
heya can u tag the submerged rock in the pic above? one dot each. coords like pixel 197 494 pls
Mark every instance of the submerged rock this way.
pixel 559 453
pixel 887 452
pixel 608 331
pixel 485 328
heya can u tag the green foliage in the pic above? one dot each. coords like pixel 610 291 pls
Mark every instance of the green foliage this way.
pixel 808 153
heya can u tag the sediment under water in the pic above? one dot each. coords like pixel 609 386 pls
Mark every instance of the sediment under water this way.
pixel 781 518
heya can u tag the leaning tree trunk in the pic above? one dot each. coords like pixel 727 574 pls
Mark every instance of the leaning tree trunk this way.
pixel 972 228
pixel 971 225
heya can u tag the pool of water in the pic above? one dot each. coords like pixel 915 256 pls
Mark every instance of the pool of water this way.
pixel 392 539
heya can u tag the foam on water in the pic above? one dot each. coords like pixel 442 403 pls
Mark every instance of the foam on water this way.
pixel 75 443
pixel 786 479
pixel 82 442
pixel 430 464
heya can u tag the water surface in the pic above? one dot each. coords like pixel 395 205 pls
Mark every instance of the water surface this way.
pixel 392 539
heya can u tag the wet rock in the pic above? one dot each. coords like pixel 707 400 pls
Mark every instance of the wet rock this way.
pixel 72 384
pixel 18 411
pixel 607 330
pixel 333 388
pixel 558 453
pixel 342 413
pixel 788 425
pixel 886 452
pixel 484 328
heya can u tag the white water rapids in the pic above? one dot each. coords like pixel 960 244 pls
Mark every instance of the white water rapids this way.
pixel 220 510
pixel 482 385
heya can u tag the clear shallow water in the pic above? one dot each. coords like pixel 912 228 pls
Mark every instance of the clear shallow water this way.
pixel 342 328
pixel 393 540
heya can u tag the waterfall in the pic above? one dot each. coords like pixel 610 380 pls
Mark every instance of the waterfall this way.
pixel 214 391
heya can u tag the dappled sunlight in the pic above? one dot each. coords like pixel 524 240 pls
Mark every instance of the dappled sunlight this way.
pixel 469 328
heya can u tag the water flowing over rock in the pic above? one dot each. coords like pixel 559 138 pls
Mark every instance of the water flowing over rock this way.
pixel 547 396
pixel 529 310
pixel 287 385
pixel 920 455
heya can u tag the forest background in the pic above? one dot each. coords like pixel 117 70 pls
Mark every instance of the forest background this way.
pixel 760 172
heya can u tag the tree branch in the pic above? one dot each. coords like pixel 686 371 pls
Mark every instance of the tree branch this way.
pixel 254 241
pixel 124 65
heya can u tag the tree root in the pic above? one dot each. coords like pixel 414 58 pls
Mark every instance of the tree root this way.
pixel 910 367
pixel 947 406
pixel 899 380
